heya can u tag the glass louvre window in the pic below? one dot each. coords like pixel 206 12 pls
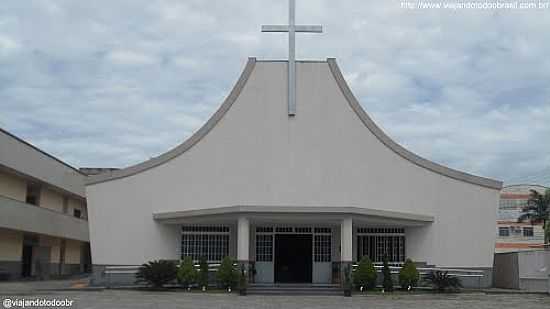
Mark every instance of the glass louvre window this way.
pixel 503 231
pixel 378 242
pixel 527 231
pixel 211 242
pixel 264 248
pixel 322 248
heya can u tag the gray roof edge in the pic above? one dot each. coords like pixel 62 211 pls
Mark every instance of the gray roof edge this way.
pixel 398 149
pixel 343 210
pixel 187 144
pixel 33 147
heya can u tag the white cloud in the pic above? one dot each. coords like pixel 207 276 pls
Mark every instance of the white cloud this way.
pixel 7 44
pixel 128 57
pixel 467 88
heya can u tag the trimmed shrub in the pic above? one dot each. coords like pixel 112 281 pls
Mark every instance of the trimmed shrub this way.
pixel 157 273
pixel 443 282
pixel 187 274
pixel 203 273
pixel 388 281
pixel 408 276
pixel 227 275
pixel 243 283
pixel 365 274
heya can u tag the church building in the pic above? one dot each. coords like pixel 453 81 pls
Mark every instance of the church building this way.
pixel 292 177
pixel 292 194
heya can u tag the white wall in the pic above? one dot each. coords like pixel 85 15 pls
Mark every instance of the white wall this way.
pixel 324 156
pixel 11 245
pixel 13 187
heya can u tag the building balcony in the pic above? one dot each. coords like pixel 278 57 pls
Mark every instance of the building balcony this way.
pixel 20 216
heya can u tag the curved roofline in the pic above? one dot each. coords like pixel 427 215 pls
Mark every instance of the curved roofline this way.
pixel 195 138
pixel 398 149
pixel 352 101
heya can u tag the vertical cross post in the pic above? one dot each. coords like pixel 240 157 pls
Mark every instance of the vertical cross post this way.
pixel 292 28
pixel 291 57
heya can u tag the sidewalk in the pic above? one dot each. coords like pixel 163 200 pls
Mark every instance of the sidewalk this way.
pixel 27 287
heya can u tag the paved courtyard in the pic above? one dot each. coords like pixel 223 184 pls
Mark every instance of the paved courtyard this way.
pixel 137 299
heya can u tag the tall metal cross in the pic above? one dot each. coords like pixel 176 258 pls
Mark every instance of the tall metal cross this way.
pixel 292 28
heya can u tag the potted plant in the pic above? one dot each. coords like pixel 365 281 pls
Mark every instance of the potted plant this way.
pixel 187 274
pixel 365 274
pixel 347 281
pixel 243 284
pixel 226 275
pixel 203 273
pixel 408 275
pixel 387 283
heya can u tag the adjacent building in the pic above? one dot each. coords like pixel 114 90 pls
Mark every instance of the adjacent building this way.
pixel 297 196
pixel 512 235
pixel 43 213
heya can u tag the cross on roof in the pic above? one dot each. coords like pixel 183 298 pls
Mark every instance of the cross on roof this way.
pixel 292 28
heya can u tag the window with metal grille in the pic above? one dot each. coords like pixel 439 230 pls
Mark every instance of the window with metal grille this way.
pixel 264 229
pixel 211 242
pixel 322 245
pixel 324 230
pixel 527 231
pixel 264 248
pixel 284 229
pixel 379 242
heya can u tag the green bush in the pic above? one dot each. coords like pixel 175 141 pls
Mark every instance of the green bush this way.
pixel 187 274
pixel 203 272
pixel 388 282
pixel 365 274
pixel 441 281
pixel 227 275
pixel 408 276
pixel 157 273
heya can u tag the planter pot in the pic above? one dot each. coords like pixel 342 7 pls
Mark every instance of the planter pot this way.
pixel 347 292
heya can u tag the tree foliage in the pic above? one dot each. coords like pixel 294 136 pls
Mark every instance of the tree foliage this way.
pixel 365 274
pixel 538 210
pixel 157 273
pixel 227 275
pixel 408 276
pixel 187 274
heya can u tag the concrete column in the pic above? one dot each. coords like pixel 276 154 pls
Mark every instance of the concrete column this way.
pixel 346 240
pixel 243 239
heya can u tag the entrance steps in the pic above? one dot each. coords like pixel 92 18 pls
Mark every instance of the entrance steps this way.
pixel 295 289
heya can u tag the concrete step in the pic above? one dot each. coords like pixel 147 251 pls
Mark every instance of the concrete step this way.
pixel 295 289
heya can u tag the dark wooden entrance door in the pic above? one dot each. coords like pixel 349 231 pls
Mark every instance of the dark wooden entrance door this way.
pixel 293 258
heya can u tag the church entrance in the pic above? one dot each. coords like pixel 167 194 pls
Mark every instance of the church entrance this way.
pixel 293 258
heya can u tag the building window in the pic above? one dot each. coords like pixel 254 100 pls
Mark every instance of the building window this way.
pixel 503 231
pixel 211 242
pixel 77 213
pixel 264 247
pixel 527 231
pixel 379 242
pixel 33 195
pixel 322 245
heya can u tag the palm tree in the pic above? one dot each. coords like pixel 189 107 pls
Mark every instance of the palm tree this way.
pixel 538 210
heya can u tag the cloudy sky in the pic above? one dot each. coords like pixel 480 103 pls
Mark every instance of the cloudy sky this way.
pixel 112 83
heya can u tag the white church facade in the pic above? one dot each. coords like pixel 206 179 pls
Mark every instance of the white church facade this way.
pixel 296 196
